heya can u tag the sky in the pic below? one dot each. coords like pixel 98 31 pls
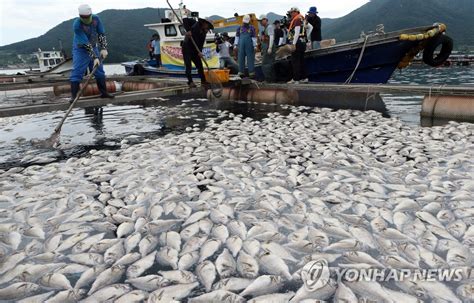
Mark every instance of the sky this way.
pixel 24 19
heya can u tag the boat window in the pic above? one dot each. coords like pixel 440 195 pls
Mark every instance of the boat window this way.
pixel 182 30
pixel 45 62
pixel 46 55
pixel 58 61
pixel 51 61
pixel 170 31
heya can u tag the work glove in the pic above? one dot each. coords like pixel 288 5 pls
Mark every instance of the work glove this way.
pixel 96 62
pixel 269 51
pixel 104 53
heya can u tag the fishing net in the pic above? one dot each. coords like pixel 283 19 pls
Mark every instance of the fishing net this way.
pixel 215 83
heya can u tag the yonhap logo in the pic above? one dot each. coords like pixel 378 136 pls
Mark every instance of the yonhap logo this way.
pixel 315 274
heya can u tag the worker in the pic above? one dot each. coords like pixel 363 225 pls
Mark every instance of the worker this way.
pixel 314 28
pixel 223 48
pixel 267 40
pixel 279 34
pixel 297 39
pixel 185 13
pixel 246 41
pixel 156 49
pixel 149 47
pixel 195 36
pixel 89 34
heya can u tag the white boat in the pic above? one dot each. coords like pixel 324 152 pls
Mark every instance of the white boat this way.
pixel 172 34
pixel 51 62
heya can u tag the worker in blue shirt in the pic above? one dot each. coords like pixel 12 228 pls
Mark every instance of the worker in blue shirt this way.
pixel 89 35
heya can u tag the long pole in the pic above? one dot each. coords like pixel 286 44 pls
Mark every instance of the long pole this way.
pixel 79 94
pixel 190 37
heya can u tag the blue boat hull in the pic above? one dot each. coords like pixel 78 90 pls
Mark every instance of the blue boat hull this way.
pixel 377 65
pixel 330 65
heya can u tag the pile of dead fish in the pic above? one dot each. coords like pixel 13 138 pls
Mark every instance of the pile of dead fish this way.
pixel 235 211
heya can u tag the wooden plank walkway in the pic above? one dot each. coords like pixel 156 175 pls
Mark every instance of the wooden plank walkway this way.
pixel 97 102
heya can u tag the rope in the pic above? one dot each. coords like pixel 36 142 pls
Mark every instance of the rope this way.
pixel 358 61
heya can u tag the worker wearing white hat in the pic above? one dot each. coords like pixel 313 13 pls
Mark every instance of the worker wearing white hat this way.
pixel 89 36
pixel 246 40
pixel 267 39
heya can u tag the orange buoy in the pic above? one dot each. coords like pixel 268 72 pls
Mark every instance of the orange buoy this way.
pixel 448 107
pixel 277 96
pixel 90 90
pixel 131 86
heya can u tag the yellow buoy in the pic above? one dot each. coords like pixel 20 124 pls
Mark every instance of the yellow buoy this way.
pixel 442 27
pixel 403 37
pixel 420 37
pixel 412 37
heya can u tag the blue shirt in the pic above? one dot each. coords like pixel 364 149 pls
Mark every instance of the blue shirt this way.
pixel 84 33
pixel 156 47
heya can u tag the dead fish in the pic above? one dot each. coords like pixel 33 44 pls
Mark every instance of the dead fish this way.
pixel 107 277
pixel 218 296
pixel 147 244
pixel 209 248
pixel 171 239
pixel 234 244
pixel 110 292
pixel 11 261
pixel 128 259
pixel 233 284
pixel 188 260
pixel 247 266
pixel 67 296
pixel 206 273
pixel 225 264
pixel 172 293
pixel 38 298
pixel 135 296
pixel 178 276
pixel 167 256
pixel 263 285
pixel 55 281
pixel 113 253
pixel 88 276
pixel 140 266
pixel 18 291
pixel 148 283
pixel 273 264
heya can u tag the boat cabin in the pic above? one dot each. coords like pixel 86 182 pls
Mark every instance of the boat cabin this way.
pixel 48 59
pixel 171 34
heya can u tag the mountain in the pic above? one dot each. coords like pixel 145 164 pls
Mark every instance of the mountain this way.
pixel 127 36
pixel 398 14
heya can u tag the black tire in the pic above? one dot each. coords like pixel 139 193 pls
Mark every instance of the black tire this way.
pixel 138 70
pixel 446 49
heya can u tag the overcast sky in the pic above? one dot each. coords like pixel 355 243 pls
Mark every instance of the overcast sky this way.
pixel 23 19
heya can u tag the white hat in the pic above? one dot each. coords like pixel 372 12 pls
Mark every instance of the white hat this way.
pixel 85 10
pixel 262 17
pixel 246 19
pixel 294 9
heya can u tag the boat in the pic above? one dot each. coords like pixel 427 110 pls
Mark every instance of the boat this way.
pixel 372 58
pixel 51 62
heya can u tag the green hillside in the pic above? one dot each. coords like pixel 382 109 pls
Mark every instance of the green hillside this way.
pixel 398 14
pixel 127 36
